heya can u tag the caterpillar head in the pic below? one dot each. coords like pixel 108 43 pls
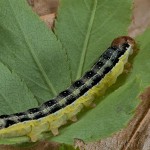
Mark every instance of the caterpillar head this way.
pixel 2 123
pixel 125 42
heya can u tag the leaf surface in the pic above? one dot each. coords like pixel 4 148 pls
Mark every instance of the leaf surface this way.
pixel 14 92
pixel 142 64
pixel 29 48
pixel 87 27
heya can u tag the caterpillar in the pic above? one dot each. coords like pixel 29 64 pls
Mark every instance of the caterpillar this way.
pixel 55 112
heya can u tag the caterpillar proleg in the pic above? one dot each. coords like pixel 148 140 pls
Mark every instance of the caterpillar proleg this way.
pixel 55 112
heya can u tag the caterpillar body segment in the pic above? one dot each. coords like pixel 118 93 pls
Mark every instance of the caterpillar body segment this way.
pixel 57 111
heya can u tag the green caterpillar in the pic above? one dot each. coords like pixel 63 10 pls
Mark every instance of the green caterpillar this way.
pixel 55 112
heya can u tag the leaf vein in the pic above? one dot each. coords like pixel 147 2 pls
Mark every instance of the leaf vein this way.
pixel 85 44
pixel 106 20
pixel 34 56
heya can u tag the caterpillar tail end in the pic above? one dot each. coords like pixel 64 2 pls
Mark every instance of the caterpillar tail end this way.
pixel 123 39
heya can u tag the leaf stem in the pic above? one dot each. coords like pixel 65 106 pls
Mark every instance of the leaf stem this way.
pixel 85 45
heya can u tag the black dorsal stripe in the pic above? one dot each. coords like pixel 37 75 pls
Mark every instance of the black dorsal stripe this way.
pixel 97 79
pixel 70 99
pixel 83 90
pixel 40 114
pixel 49 103
pixel 55 108
pixel 4 116
pixel 24 118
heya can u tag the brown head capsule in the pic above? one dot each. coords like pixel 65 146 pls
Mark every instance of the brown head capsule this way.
pixel 118 42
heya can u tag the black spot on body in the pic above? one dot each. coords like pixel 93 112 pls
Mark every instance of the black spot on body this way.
pixel 89 74
pixel 108 53
pixel 83 90
pixel 4 116
pixel 9 123
pixel 20 115
pixel 120 52
pixel 24 118
pixel 39 115
pixel 78 83
pixel 97 79
pixel 107 57
pixel 70 99
pixel 55 108
pixel 114 61
pixel 99 64
pixel 106 70
pixel 33 110
pixel 65 93
pixel 49 103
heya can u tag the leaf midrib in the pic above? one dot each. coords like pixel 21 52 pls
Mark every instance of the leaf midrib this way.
pixel 86 41
pixel 36 60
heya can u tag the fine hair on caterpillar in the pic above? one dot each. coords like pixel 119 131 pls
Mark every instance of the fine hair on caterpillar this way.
pixel 66 105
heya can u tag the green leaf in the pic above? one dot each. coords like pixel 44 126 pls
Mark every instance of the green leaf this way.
pixel 29 48
pixel 142 62
pixel 13 92
pixel 87 27
pixel 14 141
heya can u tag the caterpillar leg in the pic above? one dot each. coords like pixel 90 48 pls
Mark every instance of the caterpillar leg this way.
pixel 72 110
pixel 60 120
pixel 87 99
pixel 93 105
pixel 37 128
pixel 54 131
pixel 127 67
pixel 74 118
pixel 33 137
